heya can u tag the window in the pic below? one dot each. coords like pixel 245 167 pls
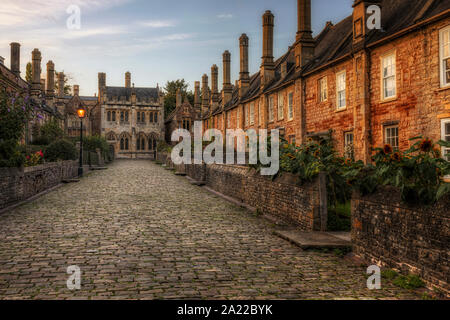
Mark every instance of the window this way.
pixel 238 119
pixel 252 113
pixel 229 120
pixel 126 143
pixel 348 145
pixel 138 117
pixel 388 74
pixel 280 106
pixel 143 117
pixel 291 105
pixel 270 109
pixel 259 114
pixel 126 116
pixel 114 116
pixel 122 117
pixel 109 116
pixel 323 89
pixel 142 144
pixel 247 120
pixel 445 125
pixel 341 90
pixel 151 117
pixel 444 41
pixel 391 136
pixel 138 144
pixel 156 117
pixel 122 144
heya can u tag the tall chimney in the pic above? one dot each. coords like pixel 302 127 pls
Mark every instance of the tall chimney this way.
pixel 76 90
pixel 267 66
pixel 101 85
pixel 205 95
pixel 128 80
pixel 214 86
pixel 15 58
pixel 304 46
pixel 179 98
pixel 36 72
pixel 197 98
pixel 50 79
pixel 61 84
pixel 227 89
pixel 244 79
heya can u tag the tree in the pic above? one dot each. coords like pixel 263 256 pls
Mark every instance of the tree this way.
pixel 29 73
pixel 170 96
pixel 67 87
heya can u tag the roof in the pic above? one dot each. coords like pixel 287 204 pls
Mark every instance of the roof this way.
pixel 141 93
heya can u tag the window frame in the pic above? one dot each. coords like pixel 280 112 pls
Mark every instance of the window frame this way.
pixel 340 73
pixel 280 106
pixel 321 88
pixel 441 56
pixel 290 106
pixel 385 135
pixel 383 77
pixel 252 113
pixel 444 122
pixel 270 109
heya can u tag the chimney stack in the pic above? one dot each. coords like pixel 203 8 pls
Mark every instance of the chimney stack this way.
pixel 36 72
pixel 61 84
pixel 197 100
pixel 128 80
pixel 267 66
pixel 50 79
pixel 179 98
pixel 304 46
pixel 101 85
pixel 244 79
pixel 76 90
pixel 214 86
pixel 15 58
pixel 205 95
pixel 227 88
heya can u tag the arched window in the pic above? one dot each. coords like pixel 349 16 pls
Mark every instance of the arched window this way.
pixel 150 143
pixel 138 117
pixel 143 117
pixel 138 144
pixel 126 116
pixel 142 144
pixel 122 144
pixel 126 143
pixel 154 144
pixel 121 116
pixel 109 116
pixel 113 116
pixel 156 117
pixel 151 117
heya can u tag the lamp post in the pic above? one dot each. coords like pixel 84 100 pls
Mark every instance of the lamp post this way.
pixel 81 114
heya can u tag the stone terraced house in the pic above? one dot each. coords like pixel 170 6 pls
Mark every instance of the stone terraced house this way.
pixel 369 86
pixel 132 119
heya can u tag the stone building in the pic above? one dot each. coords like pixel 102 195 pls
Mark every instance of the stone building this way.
pixel 132 119
pixel 369 87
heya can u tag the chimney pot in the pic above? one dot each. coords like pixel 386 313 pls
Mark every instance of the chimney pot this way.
pixel 50 79
pixel 15 58
pixel 36 72
pixel 128 80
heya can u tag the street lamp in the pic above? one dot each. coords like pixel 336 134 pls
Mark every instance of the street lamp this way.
pixel 81 114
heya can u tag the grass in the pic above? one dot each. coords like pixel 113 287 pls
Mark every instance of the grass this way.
pixel 409 282
pixel 339 217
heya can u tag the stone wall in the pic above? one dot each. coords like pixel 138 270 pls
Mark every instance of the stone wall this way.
pixel 412 239
pixel 20 184
pixel 282 197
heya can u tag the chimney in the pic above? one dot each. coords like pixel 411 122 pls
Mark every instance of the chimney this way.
pixel 76 90
pixel 244 79
pixel 50 79
pixel 214 86
pixel 36 72
pixel 304 46
pixel 15 58
pixel 197 98
pixel 179 98
pixel 360 18
pixel 267 66
pixel 61 84
pixel 227 88
pixel 128 80
pixel 205 95
pixel 101 85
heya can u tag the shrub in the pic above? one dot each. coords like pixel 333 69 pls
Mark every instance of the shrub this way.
pixel 61 150
pixel 34 159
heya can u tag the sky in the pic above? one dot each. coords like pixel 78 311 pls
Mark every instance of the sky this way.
pixel 156 40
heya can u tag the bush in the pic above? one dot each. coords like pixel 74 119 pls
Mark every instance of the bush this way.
pixel 61 150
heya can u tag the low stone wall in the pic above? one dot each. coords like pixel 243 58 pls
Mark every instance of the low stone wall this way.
pixel 282 197
pixel 387 232
pixel 20 184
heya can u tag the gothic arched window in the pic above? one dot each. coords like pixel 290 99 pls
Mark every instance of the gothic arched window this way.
pixel 126 143
pixel 142 144
pixel 143 117
pixel 151 117
pixel 122 116
pixel 113 116
pixel 138 117
pixel 138 144
pixel 122 144
pixel 156 117
pixel 126 116
pixel 109 116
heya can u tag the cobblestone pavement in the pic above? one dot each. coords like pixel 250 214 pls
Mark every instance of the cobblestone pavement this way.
pixel 137 231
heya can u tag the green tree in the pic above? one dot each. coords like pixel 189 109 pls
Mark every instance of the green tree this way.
pixel 29 73
pixel 67 87
pixel 170 97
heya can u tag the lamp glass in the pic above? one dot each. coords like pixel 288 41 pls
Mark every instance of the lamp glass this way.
pixel 81 113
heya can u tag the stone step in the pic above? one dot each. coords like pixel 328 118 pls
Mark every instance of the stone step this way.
pixel 316 240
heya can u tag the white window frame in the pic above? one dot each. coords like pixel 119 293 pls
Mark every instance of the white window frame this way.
pixel 238 118
pixel 323 89
pixel 387 140
pixel 443 57
pixel 252 113
pixel 291 105
pixel 339 89
pixel 259 114
pixel 384 77
pixel 280 106
pixel 270 108
pixel 247 120
pixel 444 135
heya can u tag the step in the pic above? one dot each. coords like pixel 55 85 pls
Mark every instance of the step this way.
pixel 316 240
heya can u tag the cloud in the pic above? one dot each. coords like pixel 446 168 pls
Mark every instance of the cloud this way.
pixel 157 24
pixel 225 16
pixel 83 33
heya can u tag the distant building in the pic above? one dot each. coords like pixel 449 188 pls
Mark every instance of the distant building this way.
pixel 132 119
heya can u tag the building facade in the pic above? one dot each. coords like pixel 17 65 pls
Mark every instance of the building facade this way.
pixel 132 119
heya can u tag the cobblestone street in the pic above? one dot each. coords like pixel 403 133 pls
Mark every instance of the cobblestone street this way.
pixel 137 231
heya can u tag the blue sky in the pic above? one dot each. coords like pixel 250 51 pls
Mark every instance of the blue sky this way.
pixel 156 40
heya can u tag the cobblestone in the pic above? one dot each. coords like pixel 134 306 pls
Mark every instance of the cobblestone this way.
pixel 137 231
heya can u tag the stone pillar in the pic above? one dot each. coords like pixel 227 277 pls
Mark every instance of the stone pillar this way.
pixel 36 73
pixel 15 58
pixel 128 80
pixel 267 66
pixel 61 85
pixel 76 90
pixel 227 89
pixel 244 79
pixel 205 95
pixel 214 86
pixel 50 79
